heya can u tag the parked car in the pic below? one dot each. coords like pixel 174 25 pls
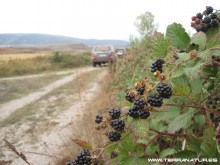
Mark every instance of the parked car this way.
pixel 102 54
pixel 120 52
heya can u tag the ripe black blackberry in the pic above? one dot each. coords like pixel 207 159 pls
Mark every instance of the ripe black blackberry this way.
pixel 208 10
pixel 114 113
pixel 141 90
pixel 207 19
pixel 98 119
pixel 69 163
pixel 143 114
pixel 83 158
pixel 204 28
pixel 214 23
pixel 118 125
pixel 155 100
pixel 164 90
pixel 114 136
pixel 213 16
pixel 133 112
pixel 129 96
pixel 157 65
pixel 199 15
pixel 139 103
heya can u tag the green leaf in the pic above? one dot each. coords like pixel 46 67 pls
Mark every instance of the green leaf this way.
pixel 199 39
pixel 151 149
pixel 186 154
pixel 193 72
pixel 213 37
pixel 180 86
pixel 120 96
pixel 166 152
pixel 200 120
pixel 160 45
pixel 178 36
pixel 194 145
pixel 181 121
pixel 208 146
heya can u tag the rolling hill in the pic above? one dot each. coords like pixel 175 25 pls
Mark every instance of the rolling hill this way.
pixel 34 39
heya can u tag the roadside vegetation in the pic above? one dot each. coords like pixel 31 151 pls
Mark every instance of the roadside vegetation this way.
pixel 39 64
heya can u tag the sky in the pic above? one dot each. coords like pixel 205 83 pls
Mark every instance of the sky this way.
pixel 95 19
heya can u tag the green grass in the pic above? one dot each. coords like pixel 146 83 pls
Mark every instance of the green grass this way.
pixel 13 89
pixel 40 64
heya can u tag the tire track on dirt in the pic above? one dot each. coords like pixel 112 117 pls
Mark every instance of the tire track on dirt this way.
pixel 7 108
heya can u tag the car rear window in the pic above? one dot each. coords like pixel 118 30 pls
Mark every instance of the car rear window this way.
pixel 103 48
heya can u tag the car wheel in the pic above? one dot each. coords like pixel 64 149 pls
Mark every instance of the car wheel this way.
pixel 94 64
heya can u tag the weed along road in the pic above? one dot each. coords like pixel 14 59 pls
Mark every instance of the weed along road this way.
pixel 36 123
pixel 8 108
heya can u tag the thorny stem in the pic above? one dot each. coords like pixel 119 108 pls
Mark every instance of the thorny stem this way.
pixel 166 134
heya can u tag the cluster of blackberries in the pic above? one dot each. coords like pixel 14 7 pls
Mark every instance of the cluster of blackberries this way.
pixel 138 109
pixel 140 90
pixel 83 158
pixel 210 20
pixel 156 99
pixel 157 65
pixel 98 119
pixel 213 102
pixel 114 136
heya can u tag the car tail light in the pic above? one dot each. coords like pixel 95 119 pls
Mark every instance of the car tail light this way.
pixel 112 53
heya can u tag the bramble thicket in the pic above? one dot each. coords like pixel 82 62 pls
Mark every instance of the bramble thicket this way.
pixel 171 106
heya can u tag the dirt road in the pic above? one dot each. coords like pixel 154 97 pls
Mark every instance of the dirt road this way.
pixel 43 150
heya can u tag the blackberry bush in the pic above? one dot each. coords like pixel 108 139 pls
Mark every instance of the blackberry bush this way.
pixel 83 158
pixel 133 112
pixel 129 96
pixel 139 103
pixel 143 114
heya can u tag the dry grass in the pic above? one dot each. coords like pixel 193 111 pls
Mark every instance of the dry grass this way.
pixel 84 128
pixel 7 57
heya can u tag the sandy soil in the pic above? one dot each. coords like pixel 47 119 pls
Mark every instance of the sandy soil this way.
pixel 44 152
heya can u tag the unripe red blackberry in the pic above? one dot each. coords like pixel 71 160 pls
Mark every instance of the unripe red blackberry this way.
pixel 114 136
pixel 155 100
pixel 118 125
pixel 193 18
pixel 157 65
pixel 197 21
pixel 114 113
pixel 98 119
pixel 199 15
pixel 143 114
pixel 133 112
pixel 164 90
pixel 208 10
pixel 139 103
pixel 83 158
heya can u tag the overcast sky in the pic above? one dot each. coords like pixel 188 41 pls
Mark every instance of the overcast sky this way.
pixel 97 19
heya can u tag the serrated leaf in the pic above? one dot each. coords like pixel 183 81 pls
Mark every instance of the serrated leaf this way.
pixel 181 121
pixel 186 154
pixel 180 86
pixel 160 45
pixel 194 145
pixel 193 72
pixel 178 36
pixel 166 152
pixel 133 160
pixel 208 146
pixel 151 149
pixel 213 37
pixel 200 120
pixel 199 39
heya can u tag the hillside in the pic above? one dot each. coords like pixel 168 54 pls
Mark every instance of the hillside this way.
pixel 24 40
